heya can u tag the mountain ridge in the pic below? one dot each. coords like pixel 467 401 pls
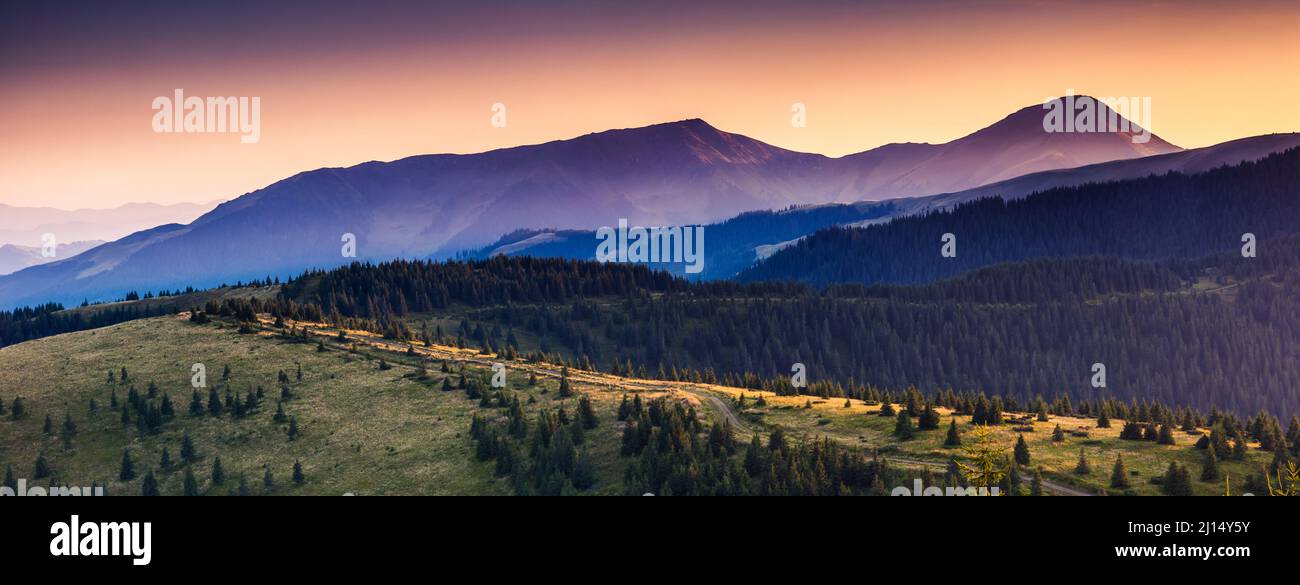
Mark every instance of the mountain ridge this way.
pixel 674 173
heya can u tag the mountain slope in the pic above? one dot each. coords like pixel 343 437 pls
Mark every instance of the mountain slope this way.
pixel 1014 146
pixel 1167 216
pixel 14 257
pixel 738 243
pixel 677 173
pixel 24 226
pixel 1190 161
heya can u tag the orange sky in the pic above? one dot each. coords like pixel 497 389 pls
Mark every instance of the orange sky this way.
pixel 77 119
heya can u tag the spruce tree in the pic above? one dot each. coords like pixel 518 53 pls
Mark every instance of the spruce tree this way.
pixel 149 487
pixel 127 471
pixel 165 462
pixel 188 453
pixel 1022 451
pixel 1058 436
pixel 1036 486
pixel 1166 435
pixel 298 477
pixel 903 428
pixel 1119 475
pixel 218 473
pixel 929 419
pixel 954 438
pixel 293 428
pixel 1082 467
pixel 268 482
pixel 1210 470
pixel 191 485
pixel 1239 448
pixel 41 469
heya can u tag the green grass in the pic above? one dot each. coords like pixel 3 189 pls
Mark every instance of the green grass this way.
pixel 367 430
pixel 363 430
pixel 861 424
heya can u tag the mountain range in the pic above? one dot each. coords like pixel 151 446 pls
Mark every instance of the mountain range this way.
pixel 25 226
pixel 739 242
pixel 1165 217
pixel 684 172
pixel 14 258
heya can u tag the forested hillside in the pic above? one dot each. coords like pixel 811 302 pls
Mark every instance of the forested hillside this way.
pixel 1172 216
pixel 1017 330
pixel 730 246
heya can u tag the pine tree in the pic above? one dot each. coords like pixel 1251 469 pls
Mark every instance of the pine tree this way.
pixel 954 438
pixel 1132 431
pixel 1082 467
pixel 218 473
pixel 1177 481
pixel 214 402
pixel 1166 435
pixel 1210 470
pixel 191 485
pixel 127 471
pixel 165 462
pixel 293 428
pixel 279 415
pixel 1118 475
pixel 1103 421
pixel 929 419
pixel 903 428
pixel 297 473
pixel 1022 451
pixel 48 429
pixel 586 413
pixel 149 487
pixel 41 469
pixel 1058 436
pixel 188 454
pixel 1036 486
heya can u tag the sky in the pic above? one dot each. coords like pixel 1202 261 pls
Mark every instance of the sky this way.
pixel 342 83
